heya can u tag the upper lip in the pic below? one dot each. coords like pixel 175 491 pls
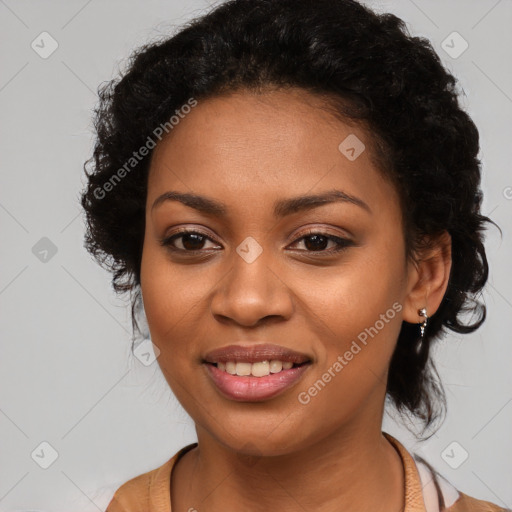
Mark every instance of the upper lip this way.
pixel 254 354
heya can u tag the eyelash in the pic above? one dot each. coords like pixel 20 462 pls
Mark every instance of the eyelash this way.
pixel 343 243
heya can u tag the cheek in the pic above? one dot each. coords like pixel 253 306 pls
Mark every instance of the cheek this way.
pixel 170 293
pixel 357 320
pixel 353 296
pixel 177 310
pixel 355 312
pixel 168 303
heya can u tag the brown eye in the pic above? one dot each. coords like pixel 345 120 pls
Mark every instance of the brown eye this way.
pixel 318 241
pixel 191 241
pixel 194 241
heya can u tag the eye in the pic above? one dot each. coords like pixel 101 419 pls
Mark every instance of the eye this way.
pixel 191 241
pixel 315 241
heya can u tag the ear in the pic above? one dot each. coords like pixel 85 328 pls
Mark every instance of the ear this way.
pixel 428 278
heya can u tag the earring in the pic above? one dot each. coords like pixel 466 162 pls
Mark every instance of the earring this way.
pixel 423 325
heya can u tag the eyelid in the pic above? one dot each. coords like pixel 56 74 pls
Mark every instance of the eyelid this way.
pixel 301 233
pixel 321 230
pixel 342 242
pixel 165 241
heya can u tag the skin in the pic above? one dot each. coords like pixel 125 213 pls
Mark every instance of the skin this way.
pixel 247 151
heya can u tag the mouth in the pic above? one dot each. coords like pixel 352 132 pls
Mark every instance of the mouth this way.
pixel 255 373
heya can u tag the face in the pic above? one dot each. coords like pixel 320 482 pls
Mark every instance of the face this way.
pixel 324 279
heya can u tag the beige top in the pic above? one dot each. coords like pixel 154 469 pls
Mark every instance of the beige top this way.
pixel 425 489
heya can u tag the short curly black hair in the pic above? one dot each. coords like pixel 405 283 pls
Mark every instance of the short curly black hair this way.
pixel 371 71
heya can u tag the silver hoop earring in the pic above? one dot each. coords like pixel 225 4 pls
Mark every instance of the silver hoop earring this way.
pixel 423 325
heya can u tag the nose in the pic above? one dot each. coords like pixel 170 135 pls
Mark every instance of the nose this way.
pixel 251 292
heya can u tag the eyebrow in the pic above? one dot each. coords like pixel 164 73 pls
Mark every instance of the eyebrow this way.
pixel 282 207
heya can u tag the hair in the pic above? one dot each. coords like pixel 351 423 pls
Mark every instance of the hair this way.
pixel 371 71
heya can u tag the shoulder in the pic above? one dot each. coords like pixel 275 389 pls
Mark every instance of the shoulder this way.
pixel 135 494
pixel 429 491
pixel 466 503
pixel 148 491
pixel 449 499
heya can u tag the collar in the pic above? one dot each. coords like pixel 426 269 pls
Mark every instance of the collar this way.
pixel 424 492
pixel 425 489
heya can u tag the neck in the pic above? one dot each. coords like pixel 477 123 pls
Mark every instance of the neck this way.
pixel 352 469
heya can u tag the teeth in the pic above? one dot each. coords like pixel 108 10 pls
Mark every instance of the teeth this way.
pixel 275 366
pixel 231 368
pixel 243 368
pixel 259 369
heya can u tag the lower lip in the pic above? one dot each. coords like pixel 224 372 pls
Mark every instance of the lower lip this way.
pixel 255 389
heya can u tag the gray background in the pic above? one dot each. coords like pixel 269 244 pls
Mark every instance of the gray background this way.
pixel 68 376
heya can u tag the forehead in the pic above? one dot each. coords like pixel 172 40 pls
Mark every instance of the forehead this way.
pixel 247 147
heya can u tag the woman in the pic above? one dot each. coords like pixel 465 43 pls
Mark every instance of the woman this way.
pixel 291 191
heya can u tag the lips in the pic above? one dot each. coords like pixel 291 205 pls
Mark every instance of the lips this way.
pixel 289 368
pixel 255 389
pixel 255 354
